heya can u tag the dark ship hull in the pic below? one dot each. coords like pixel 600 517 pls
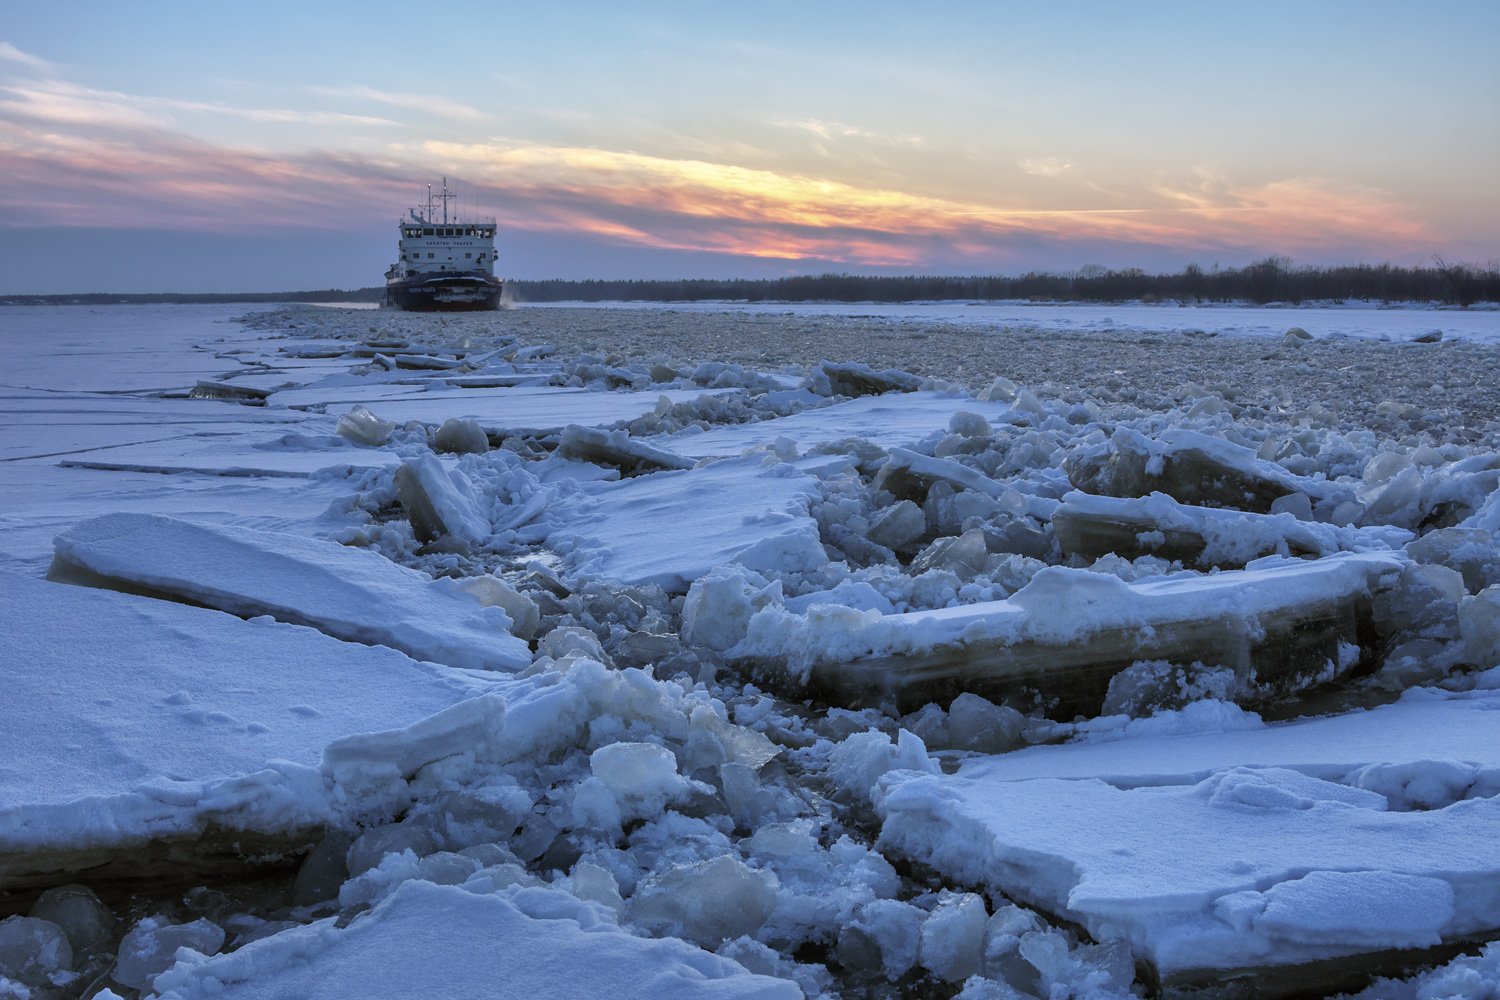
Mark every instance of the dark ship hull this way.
pixel 444 293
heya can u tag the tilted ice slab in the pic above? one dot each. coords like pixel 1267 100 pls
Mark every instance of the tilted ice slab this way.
pixel 670 528
pixel 294 456
pixel 390 386
pixel 1294 854
pixel 128 721
pixel 528 409
pixel 428 940
pixel 352 594
pixel 1280 624
pixel 1092 526
pixel 1194 468
pixel 887 421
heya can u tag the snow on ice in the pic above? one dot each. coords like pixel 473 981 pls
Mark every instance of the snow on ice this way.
pixel 682 660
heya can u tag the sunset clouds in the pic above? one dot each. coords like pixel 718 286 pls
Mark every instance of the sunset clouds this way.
pixel 841 185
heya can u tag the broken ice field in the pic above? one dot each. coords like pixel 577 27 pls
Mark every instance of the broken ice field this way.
pixel 354 653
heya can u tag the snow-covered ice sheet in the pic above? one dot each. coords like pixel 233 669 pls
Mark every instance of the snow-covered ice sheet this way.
pixel 427 940
pixel 389 386
pixel 39 424
pixel 1278 846
pixel 291 455
pixel 537 409
pixel 1364 320
pixel 152 720
pixel 143 348
pixel 1424 725
pixel 352 594
pixel 669 528
pixel 889 421
pixel 41 498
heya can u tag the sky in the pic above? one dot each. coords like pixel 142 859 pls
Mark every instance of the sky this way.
pixel 164 146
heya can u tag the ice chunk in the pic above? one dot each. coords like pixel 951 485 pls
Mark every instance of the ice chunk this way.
pixel 372 846
pixel 1473 552
pixel 979 725
pixel 323 870
pixel 1151 686
pixel 151 948
pixel 572 640
pixel 966 423
pixel 425 362
pixel 642 776
pixel 1479 625
pixel 898 527
pixel 32 951
pixel 1191 467
pixel 1423 603
pixel 706 902
pixel 617 448
pixel 461 437
pixel 858 763
pixel 441 503
pixel 493 592
pixel 1468 977
pixel 217 389
pixel 86 921
pixel 966 556
pixel 952 937
pixel 911 476
pixel 855 379
pixel 352 594
pixel 589 881
pixel 885 932
pixel 363 427
pixel 1284 623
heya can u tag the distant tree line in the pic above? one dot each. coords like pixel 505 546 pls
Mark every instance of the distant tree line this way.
pixel 1273 279
pixel 191 298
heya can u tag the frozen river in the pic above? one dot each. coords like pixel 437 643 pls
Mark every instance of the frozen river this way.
pixel 773 651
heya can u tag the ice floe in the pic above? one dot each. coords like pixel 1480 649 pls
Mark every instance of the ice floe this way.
pixel 1280 625
pixel 157 722
pixel 351 594
pixel 1214 854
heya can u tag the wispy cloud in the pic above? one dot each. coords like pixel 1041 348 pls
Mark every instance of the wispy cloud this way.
pixel 9 53
pixel 1048 166
pixel 427 104
pixel 838 130
pixel 69 104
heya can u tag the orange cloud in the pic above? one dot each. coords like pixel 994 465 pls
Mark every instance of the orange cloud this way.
pixel 84 157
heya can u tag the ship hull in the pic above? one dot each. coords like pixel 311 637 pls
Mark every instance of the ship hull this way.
pixel 445 293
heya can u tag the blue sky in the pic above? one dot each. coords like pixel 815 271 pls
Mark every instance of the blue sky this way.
pixel 167 146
